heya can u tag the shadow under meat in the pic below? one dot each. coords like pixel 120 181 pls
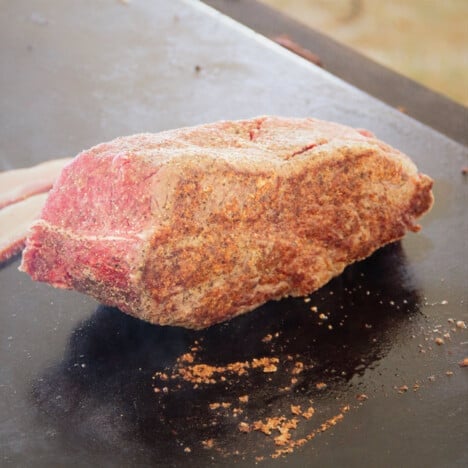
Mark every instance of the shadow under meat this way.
pixel 175 395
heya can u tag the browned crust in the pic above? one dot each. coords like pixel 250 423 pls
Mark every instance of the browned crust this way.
pixel 288 236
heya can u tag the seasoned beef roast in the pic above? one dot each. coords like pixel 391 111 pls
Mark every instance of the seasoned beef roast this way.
pixel 194 226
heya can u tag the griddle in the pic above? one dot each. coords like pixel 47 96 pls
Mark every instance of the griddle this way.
pixel 82 384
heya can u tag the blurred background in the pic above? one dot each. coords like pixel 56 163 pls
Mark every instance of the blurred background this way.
pixel 426 40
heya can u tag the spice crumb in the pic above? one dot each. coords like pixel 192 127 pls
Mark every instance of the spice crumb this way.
pixel 237 411
pixel 208 443
pixel 298 368
pixel 460 324
pixel 320 385
pixel 296 409
pixel 308 413
pixel 187 357
pixel 439 341
pixel 464 362
pixel 267 338
pixel 268 364
pixel 244 427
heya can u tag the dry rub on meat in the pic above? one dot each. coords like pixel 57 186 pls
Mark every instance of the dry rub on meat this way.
pixel 194 226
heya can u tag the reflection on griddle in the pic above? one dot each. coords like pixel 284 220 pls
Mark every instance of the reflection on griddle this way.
pixel 135 388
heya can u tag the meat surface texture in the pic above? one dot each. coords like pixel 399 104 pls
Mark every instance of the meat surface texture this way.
pixel 194 226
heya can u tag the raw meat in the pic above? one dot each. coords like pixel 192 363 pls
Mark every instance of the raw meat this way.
pixel 194 226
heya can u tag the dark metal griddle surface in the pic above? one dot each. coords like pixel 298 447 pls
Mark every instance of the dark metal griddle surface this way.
pixel 77 380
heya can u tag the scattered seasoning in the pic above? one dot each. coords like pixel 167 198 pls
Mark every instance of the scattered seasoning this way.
pixel 464 170
pixel 237 411
pixel 208 444
pixel 187 357
pixel 267 338
pixel 296 410
pixel 463 362
pixel 280 424
pixel 244 427
pixel 280 429
pixel 308 413
pixel 216 405
pixel 268 364
pixel 203 373
pixel 298 368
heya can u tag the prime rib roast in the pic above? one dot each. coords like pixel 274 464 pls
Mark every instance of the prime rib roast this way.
pixel 194 226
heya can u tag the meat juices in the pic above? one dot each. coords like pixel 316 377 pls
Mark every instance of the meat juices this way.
pixel 194 226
